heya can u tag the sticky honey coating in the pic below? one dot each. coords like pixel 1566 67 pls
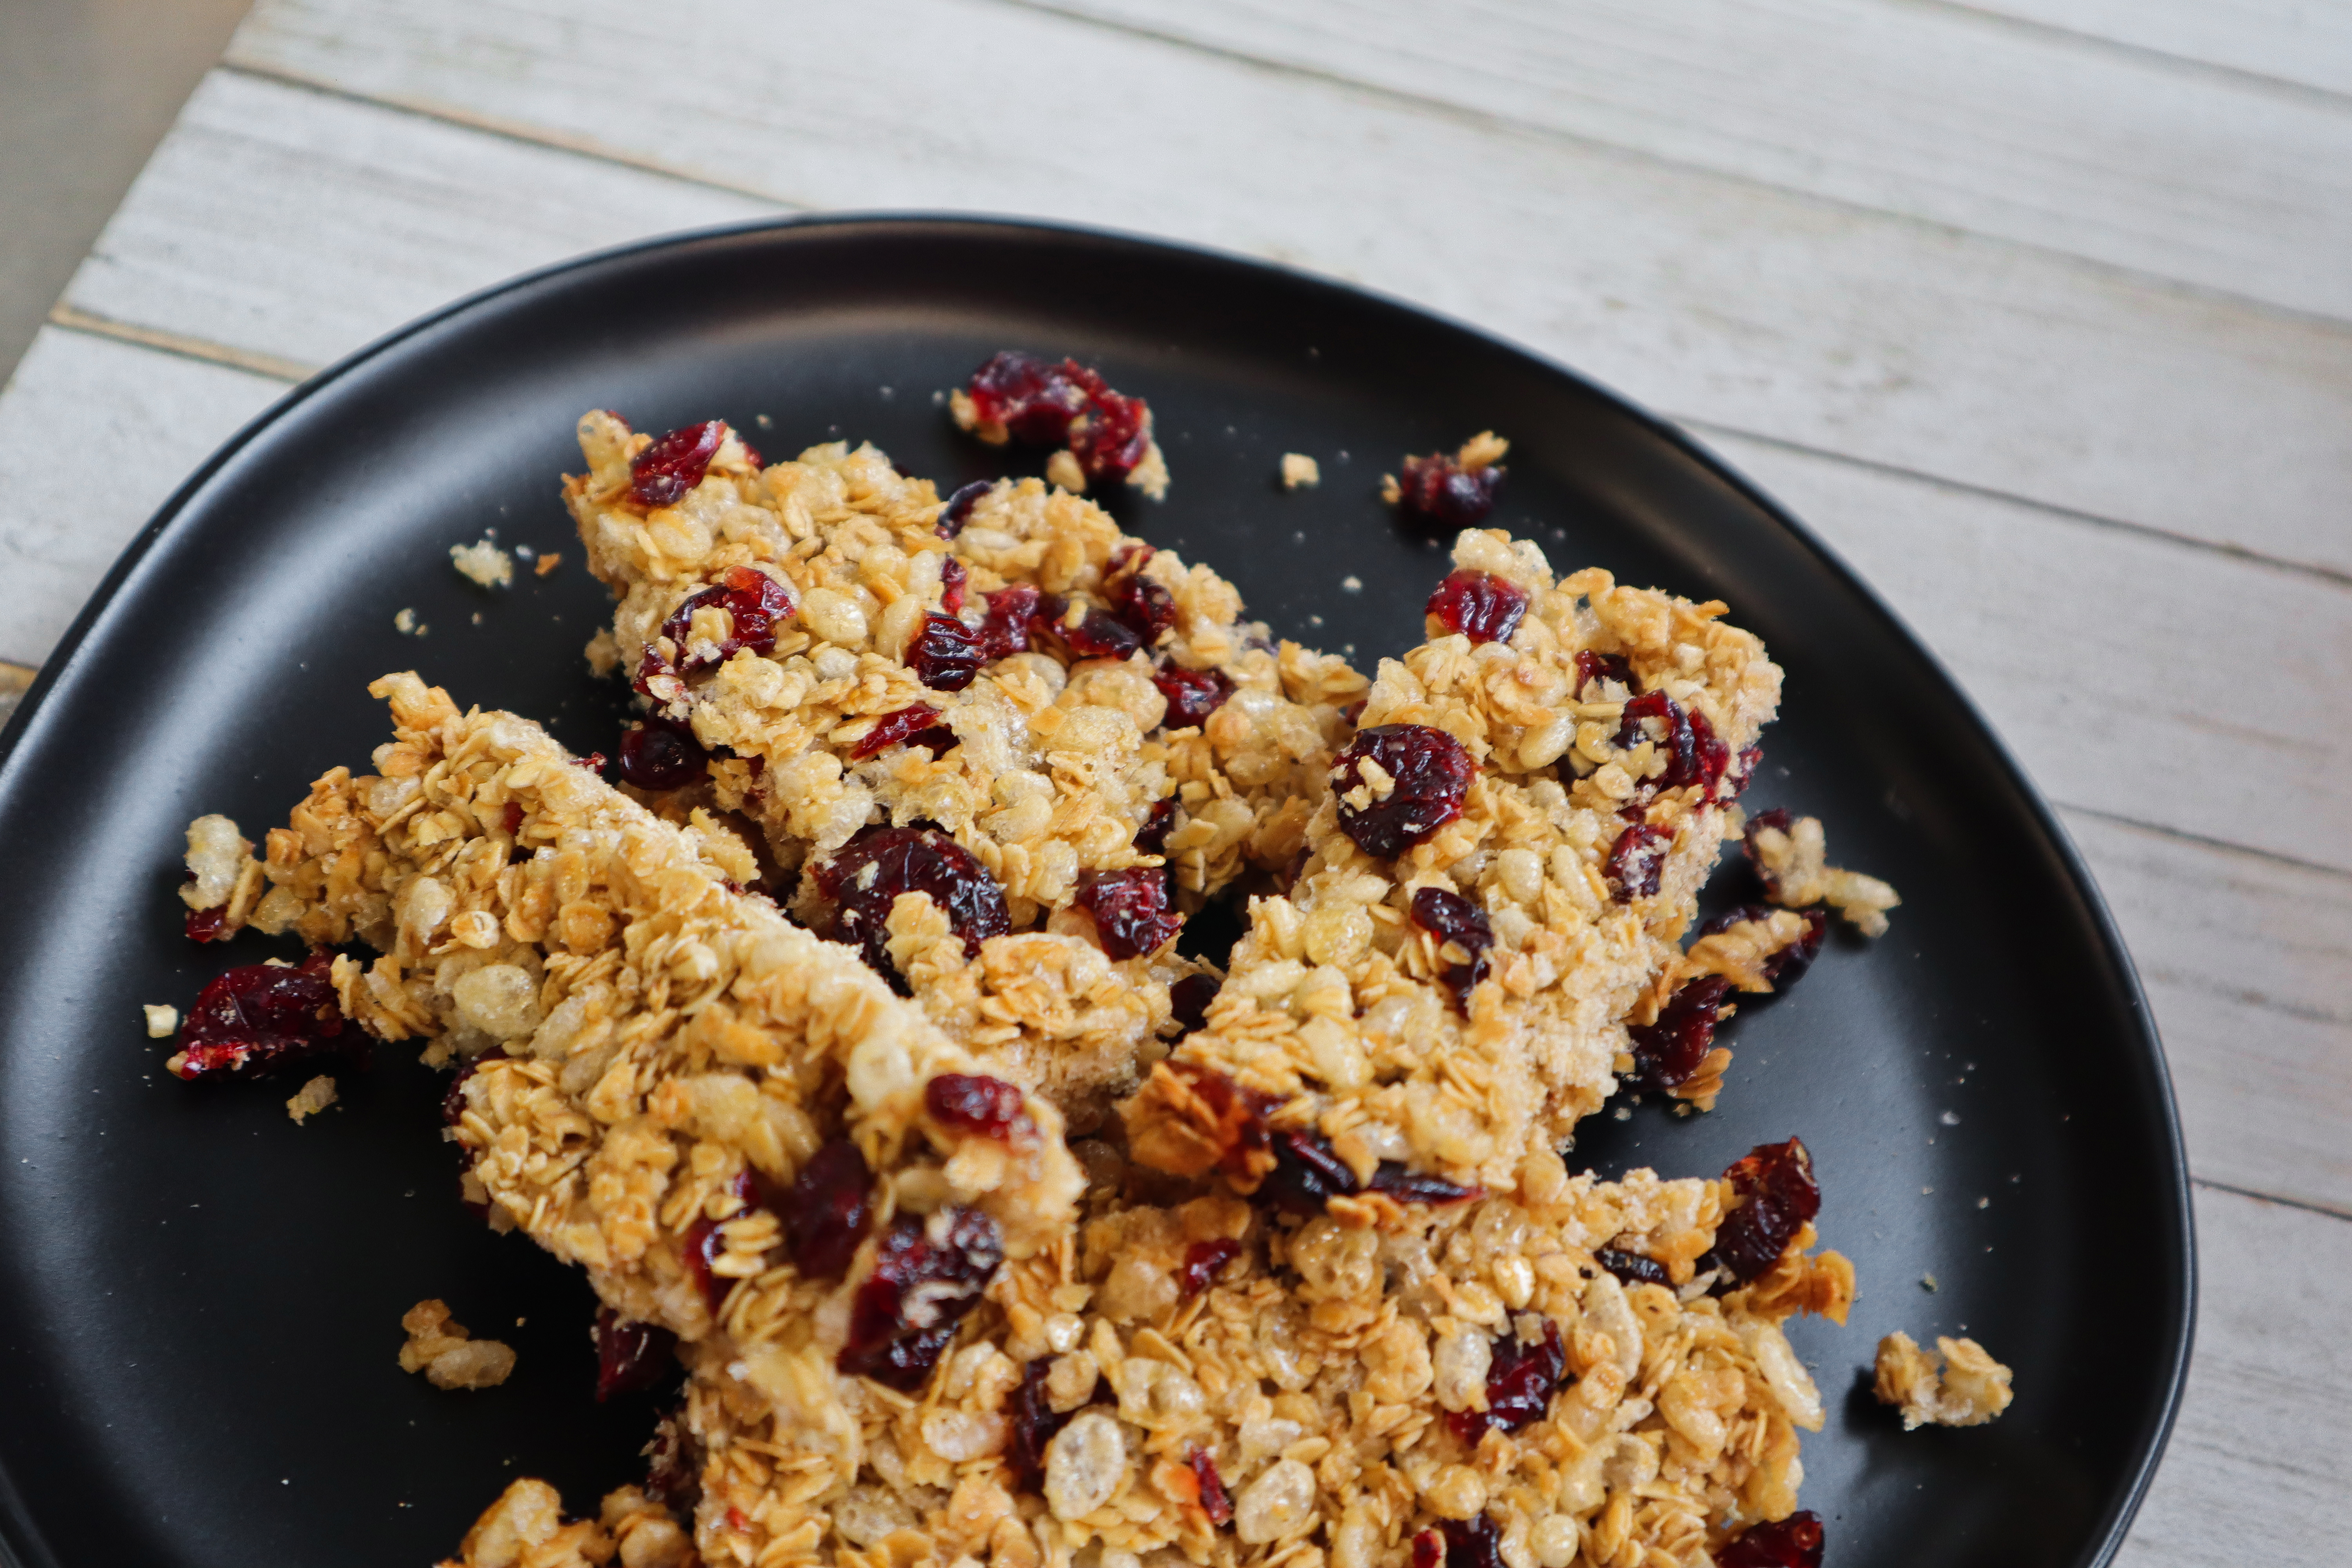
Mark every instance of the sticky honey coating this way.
pixel 1346 1015
pixel 1045 767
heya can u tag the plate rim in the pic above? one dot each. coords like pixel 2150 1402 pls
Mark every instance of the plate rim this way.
pixel 22 1545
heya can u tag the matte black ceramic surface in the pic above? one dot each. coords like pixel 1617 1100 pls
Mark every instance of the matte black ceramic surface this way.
pixel 200 1302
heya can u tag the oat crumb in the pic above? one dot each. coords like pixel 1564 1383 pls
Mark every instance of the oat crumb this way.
pixel 1062 468
pixel 407 625
pixel 311 1098
pixel 548 563
pixel 1300 471
pixel 484 562
pixel 1928 1282
pixel 162 1022
pixel 1351 583
pixel 1958 1386
pixel 439 1347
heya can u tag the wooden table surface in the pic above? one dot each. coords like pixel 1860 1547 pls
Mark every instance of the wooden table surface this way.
pixel 2039 311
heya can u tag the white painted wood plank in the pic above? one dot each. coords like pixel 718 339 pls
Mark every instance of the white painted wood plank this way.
pixel 2306 42
pixel 342 221
pixel 136 422
pixel 1711 298
pixel 2093 651
pixel 2248 967
pixel 1930 111
pixel 2255 1470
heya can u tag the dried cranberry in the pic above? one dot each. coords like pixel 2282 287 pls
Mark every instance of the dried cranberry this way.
pixel 513 817
pixel 1004 630
pixel 1591 666
pixel 1095 634
pixel 754 603
pixel 1307 1175
pixel 1778 820
pixel 630 1356
pixel 1473 1542
pixel 1741 773
pixel 1479 604
pixel 1193 694
pixel 1130 910
pixel 260 1016
pixel 1151 838
pixel 1428 1550
pixel 1633 1267
pixel 1203 1260
pixel 1676 741
pixel 958 512
pixel 951 581
pixel 675 462
pixel 830 1208
pixel 945 654
pixel 1788 966
pixel 1667 1053
pixel 928 1274
pixel 1637 861
pixel 1189 999
pixel 659 754
pixel 1212 1486
pixel 674 1465
pixel 1791 1542
pixel 1440 489
pixel 1520 1381
pixel 1710 755
pixel 1142 602
pixel 1036 1422
pixel 1047 405
pixel 865 877
pixel 208 925
pixel 1455 921
pixel 453 1098
pixel 892 728
pixel 702 1244
pixel 1408 1186
pixel 1774 1183
pixel 973 1102
pixel 1430 775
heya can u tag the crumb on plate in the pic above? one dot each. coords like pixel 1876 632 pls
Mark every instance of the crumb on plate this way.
pixel 163 1021
pixel 548 563
pixel 1300 471
pixel 407 625
pixel 1958 1386
pixel 311 1098
pixel 439 1347
pixel 484 562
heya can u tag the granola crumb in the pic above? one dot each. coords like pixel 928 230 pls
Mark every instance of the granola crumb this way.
pixel 1792 857
pixel 311 1098
pixel 1300 471
pixel 407 625
pixel 163 1021
pixel 484 562
pixel 1351 583
pixel 548 563
pixel 439 1347
pixel 1958 1386
pixel 1062 470
pixel 1928 1282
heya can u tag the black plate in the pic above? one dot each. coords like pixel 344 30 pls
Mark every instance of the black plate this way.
pixel 199 1302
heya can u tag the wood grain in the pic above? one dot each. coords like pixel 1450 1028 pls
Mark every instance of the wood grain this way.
pixel 277 218
pixel 151 416
pixel 1933 111
pixel 2255 1470
pixel 1871 336
pixel 2305 43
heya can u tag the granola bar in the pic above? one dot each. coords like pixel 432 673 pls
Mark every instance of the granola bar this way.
pixel 1028 706
pixel 1496 887
pixel 1540 1374
pixel 652 1061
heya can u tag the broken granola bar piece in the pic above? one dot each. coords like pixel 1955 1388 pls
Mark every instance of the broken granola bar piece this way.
pixel 439 1347
pixel 1791 859
pixel 972 739
pixel 652 1060
pixel 1956 1384
pixel 1104 435
pixel 1494 893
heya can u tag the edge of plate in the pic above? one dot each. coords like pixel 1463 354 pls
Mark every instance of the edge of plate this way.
pixel 21 1543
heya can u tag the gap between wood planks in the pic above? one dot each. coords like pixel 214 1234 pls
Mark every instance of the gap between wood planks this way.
pixel 2244 75
pixel 2306 1205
